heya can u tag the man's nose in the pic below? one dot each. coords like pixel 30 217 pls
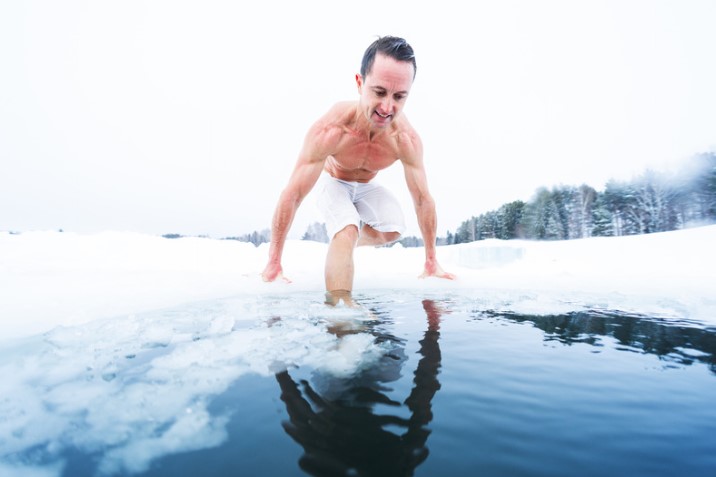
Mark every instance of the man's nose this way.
pixel 387 105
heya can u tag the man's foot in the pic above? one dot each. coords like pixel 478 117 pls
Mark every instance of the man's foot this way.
pixel 370 236
pixel 334 297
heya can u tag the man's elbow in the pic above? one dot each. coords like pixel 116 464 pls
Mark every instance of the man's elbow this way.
pixel 424 202
pixel 290 198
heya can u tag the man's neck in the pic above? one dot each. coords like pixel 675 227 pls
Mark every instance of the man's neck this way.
pixel 363 126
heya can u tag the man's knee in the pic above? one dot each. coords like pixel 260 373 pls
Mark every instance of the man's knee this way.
pixel 347 233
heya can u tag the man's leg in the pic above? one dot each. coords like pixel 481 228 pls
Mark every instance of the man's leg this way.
pixel 339 262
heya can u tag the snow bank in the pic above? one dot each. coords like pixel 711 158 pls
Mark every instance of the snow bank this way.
pixel 51 278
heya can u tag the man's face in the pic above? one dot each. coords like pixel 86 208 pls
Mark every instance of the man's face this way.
pixel 384 90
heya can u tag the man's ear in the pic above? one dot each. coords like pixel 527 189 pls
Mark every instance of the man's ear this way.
pixel 359 82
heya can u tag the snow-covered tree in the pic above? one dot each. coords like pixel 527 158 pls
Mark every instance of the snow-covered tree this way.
pixel 316 232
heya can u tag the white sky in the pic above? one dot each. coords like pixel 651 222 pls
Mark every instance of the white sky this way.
pixel 177 116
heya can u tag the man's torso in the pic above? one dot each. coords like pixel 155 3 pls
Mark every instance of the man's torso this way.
pixel 357 157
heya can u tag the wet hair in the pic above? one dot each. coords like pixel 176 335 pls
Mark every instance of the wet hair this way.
pixel 391 46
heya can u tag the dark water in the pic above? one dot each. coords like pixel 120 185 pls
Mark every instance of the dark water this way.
pixel 453 390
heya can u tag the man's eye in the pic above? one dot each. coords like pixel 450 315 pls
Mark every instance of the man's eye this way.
pixel 399 97
pixel 380 93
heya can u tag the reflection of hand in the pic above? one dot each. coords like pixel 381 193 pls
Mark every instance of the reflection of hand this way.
pixel 433 269
pixel 434 309
pixel 272 272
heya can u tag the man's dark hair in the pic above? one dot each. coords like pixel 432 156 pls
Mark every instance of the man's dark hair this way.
pixel 391 46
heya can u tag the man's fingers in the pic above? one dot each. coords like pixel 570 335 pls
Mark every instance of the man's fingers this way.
pixel 268 278
pixel 446 275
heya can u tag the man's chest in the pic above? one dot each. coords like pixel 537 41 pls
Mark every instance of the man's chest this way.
pixel 367 155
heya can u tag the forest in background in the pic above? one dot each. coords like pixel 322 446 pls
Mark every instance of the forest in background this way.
pixel 652 202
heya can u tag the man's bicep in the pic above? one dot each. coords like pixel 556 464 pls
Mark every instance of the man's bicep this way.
pixel 411 153
pixel 305 174
pixel 317 146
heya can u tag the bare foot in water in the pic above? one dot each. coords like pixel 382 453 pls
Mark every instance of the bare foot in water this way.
pixel 333 298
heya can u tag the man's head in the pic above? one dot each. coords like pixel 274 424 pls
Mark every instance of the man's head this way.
pixel 386 76
pixel 390 46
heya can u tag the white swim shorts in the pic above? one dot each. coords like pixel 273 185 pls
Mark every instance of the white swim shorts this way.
pixel 344 203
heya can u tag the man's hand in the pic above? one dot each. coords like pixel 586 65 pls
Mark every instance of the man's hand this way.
pixel 433 269
pixel 273 272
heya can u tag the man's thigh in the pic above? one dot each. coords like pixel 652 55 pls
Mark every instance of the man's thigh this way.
pixel 380 209
pixel 336 205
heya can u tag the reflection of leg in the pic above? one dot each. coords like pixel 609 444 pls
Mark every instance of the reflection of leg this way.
pixel 370 236
pixel 339 262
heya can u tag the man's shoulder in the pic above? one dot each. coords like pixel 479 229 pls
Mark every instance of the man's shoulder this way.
pixel 340 113
pixel 326 133
pixel 405 133
pixel 408 142
pixel 336 118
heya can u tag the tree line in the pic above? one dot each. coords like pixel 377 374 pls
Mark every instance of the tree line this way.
pixel 652 202
pixel 315 231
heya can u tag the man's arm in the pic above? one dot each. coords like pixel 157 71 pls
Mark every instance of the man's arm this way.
pixel 417 183
pixel 317 144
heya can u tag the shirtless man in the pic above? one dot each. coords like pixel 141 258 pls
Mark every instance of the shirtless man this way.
pixel 350 144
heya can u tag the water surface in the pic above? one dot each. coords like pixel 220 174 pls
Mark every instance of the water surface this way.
pixel 414 383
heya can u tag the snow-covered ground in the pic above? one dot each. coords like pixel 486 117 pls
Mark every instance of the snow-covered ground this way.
pixel 52 278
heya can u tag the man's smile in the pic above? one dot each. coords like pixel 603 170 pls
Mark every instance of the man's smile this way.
pixel 383 116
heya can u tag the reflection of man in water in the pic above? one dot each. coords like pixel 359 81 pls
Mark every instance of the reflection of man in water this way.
pixel 341 435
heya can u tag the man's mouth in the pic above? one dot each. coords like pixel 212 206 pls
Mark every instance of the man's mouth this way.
pixel 384 116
